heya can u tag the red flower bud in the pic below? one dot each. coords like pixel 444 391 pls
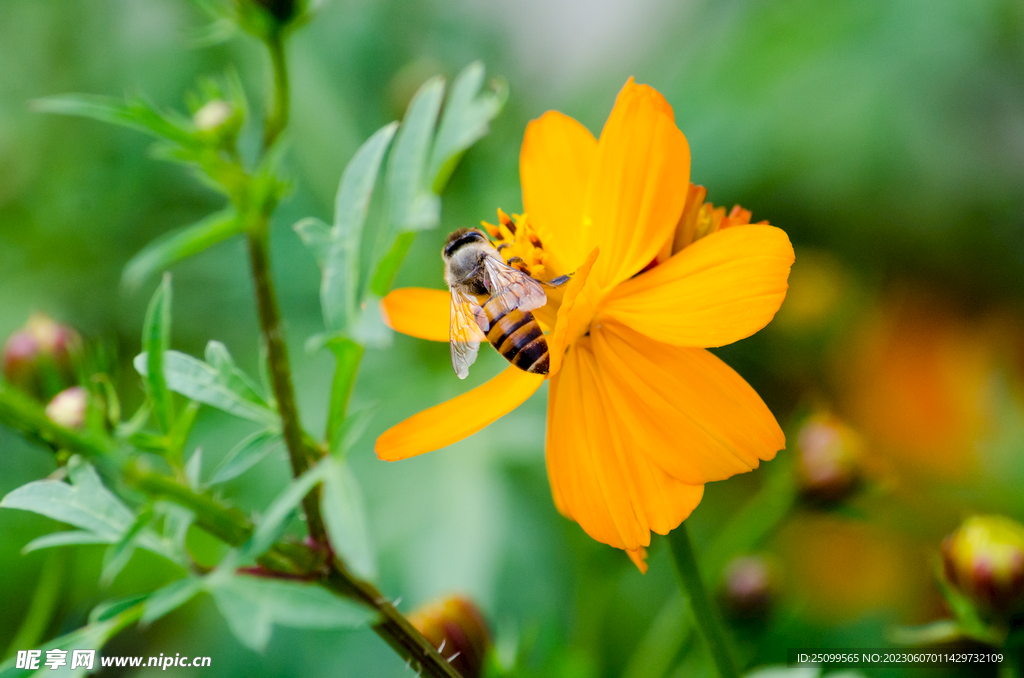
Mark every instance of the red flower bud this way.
pixel 40 357
pixel 984 559
pixel 749 586
pixel 455 626
pixel 827 458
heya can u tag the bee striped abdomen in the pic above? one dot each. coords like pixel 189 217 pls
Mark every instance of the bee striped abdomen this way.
pixel 517 336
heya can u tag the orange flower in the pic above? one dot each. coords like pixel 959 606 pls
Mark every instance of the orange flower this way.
pixel 640 415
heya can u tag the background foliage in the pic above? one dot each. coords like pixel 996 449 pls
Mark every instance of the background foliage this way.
pixel 887 138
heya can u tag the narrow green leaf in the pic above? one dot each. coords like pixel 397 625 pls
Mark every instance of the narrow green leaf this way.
pixel 86 503
pixel 111 608
pixel 339 286
pixel 341 503
pixel 180 244
pixel 70 538
pixel 347 355
pixel 118 555
pixel 218 357
pixel 275 518
pixel 466 116
pixel 388 266
pixel 156 339
pixel 406 181
pixel 136 114
pixel 169 598
pixel 252 604
pixel 354 426
pixel 200 381
pixel 369 328
pixel 245 455
pixel 194 469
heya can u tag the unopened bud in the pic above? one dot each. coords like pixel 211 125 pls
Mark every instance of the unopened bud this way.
pixel 455 626
pixel 828 453
pixel 68 407
pixel 213 115
pixel 749 586
pixel 984 559
pixel 39 358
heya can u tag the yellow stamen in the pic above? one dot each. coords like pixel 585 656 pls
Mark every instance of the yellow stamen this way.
pixel 520 240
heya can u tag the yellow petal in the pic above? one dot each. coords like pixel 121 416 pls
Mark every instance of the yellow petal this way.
pixel 638 184
pixel 418 312
pixel 554 166
pixel 720 289
pixel 575 312
pixel 690 413
pixel 598 476
pixel 458 418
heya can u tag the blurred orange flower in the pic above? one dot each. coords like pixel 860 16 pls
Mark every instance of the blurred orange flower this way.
pixel 640 415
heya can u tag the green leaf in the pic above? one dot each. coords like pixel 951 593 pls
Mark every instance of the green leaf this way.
pixel 69 538
pixel 218 357
pixel 136 114
pixel 341 503
pixel 275 518
pixel 245 455
pixel 466 116
pixel 180 244
pixel 85 503
pixel 200 381
pixel 339 285
pixel 353 426
pixel 347 355
pixel 194 469
pixel 252 604
pixel 169 598
pixel 406 183
pixel 156 339
pixel 111 608
pixel 118 555
pixel 316 235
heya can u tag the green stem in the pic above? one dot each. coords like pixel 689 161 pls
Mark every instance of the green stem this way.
pixel 278 119
pixel 280 373
pixel 347 355
pixel 704 612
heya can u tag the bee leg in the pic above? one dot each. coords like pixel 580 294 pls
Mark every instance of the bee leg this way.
pixel 518 263
pixel 559 281
pixel 504 245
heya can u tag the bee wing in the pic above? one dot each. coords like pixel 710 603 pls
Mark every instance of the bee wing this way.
pixel 466 331
pixel 512 288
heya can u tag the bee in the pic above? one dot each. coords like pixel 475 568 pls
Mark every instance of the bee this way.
pixel 492 301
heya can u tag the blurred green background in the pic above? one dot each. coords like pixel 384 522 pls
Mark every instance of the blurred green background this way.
pixel 885 136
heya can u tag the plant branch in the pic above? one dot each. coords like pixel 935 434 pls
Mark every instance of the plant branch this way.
pixel 278 119
pixel 23 414
pixel 280 373
pixel 704 612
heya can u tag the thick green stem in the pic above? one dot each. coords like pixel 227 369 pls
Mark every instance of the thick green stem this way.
pixel 704 612
pixel 280 373
pixel 23 414
pixel 278 119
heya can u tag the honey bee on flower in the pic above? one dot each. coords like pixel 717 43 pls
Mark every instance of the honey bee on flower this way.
pixel 640 414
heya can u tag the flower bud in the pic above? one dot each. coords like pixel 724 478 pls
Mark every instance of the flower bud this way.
pixel 68 407
pixel 455 626
pixel 39 358
pixel 828 452
pixel 984 559
pixel 213 115
pixel 749 586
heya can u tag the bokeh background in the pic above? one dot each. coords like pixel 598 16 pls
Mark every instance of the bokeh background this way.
pixel 885 136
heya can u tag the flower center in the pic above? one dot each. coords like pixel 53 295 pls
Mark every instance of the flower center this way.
pixel 519 244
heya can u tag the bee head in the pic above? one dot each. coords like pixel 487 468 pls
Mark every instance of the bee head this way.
pixel 460 238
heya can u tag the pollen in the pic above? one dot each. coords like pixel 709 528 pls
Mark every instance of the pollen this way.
pixel 518 243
